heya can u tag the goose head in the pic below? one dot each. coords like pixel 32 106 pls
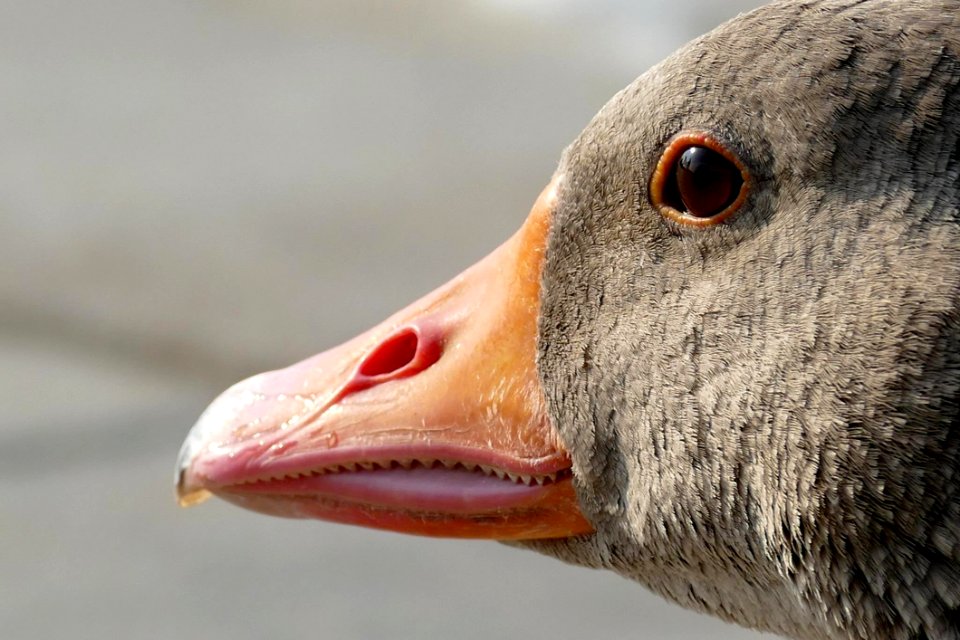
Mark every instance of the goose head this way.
pixel 719 358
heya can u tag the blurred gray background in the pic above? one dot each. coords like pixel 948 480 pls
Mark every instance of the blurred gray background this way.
pixel 193 191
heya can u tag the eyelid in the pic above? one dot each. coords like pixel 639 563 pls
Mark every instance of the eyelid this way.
pixel 665 167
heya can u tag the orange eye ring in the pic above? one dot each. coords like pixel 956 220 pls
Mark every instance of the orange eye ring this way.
pixel 665 176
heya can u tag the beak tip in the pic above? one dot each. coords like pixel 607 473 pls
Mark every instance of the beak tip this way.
pixel 193 498
pixel 188 492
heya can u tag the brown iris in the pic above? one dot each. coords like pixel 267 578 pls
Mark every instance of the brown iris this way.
pixel 698 181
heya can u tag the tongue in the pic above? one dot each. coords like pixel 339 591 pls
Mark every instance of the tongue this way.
pixel 418 489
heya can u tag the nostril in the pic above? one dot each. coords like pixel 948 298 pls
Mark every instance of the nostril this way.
pixel 401 355
pixel 395 353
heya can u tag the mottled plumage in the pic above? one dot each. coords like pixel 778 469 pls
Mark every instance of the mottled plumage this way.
pixel 763 415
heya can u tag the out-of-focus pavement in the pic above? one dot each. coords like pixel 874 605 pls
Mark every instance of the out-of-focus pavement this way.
pixel 194 191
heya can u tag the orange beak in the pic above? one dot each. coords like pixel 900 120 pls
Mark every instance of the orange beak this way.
pixel 431 423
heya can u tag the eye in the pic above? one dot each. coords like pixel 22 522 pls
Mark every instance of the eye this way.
pixel 698 181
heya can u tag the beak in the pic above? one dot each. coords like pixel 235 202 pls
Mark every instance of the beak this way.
pixel 431 423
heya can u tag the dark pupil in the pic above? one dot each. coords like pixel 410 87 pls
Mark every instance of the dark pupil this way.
pixel 706 182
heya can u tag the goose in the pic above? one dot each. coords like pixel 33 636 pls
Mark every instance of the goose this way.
pixel 721 356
